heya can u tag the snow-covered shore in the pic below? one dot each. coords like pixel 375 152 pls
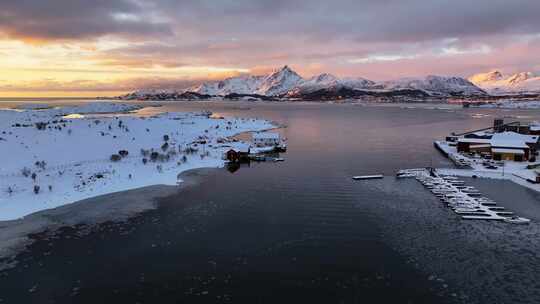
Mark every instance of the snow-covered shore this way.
pixel 511 104
pixel 49 160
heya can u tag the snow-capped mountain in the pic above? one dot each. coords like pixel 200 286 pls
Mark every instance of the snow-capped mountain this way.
pixel 276 83
pixel 437 86
pixel 239 85
pixel 286 83
pixel 491 76
pixel 279 82
pixel 496 83
pixel 327 81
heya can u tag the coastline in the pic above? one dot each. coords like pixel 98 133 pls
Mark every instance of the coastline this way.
pixel 81 167
pixel 116 207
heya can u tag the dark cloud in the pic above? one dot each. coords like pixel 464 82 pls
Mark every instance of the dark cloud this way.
pixel 367 20
pixel 76 19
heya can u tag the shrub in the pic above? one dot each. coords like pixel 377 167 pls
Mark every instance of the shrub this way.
pixel 144 161
pixel 154 156
pixel 41 125
pixel 116 157
pixel 26 172
pixel 36 189
pixel 165 146
pixel 123 153
pixel 165 137
pixel 41 164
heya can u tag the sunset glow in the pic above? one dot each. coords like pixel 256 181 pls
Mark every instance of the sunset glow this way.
pixel 122 45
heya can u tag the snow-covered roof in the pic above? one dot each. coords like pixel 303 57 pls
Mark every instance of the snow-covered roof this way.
pixel 266 135
pixel 241 147
pixel 475 140
pixel 482 133
pixel 535 127
pixel 480 146
pixel 512 139
pixel 507 151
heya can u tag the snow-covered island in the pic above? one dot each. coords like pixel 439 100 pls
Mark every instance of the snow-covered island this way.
pixel 56 156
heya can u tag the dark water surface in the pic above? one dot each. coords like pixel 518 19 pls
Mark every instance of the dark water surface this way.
pixel 302 230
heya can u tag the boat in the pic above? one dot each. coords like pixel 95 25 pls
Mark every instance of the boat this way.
pixel 279 159
pixel 517 220
pixel 362 177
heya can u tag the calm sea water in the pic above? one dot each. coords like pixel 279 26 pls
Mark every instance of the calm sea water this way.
pixel 302 230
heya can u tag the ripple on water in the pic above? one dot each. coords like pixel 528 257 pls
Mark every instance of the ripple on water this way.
pixel 475 256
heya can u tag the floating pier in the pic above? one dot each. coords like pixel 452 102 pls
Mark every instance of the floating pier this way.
pixel 363 177
pixel 464 200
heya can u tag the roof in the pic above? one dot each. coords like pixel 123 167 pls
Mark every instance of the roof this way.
pixel 512 140
pixel 516 136
pixel 475 140
pixel 535 127
pixel 240 147
pixel 266 135
pixel 507 151
pixel 480 146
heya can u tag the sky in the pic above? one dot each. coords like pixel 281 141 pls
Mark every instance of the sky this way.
pixel 109 47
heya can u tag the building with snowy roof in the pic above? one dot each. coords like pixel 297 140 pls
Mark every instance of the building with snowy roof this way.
pixel 265 139
pixel 502 146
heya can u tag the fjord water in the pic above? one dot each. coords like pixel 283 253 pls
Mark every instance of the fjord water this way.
pixel 301 230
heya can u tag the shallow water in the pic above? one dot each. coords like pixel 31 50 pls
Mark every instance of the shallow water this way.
pixel 302 230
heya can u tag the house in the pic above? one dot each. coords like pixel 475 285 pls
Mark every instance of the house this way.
pixel 468 145
pixel 513 146
pixel 534 129
pixel 502 146
pixel 238 153
pixel 264 139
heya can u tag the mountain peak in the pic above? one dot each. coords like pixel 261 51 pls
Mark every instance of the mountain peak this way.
pixel 495 82
pixel 519 77
pixel 284 70
pixel 279 82
pixel 491 76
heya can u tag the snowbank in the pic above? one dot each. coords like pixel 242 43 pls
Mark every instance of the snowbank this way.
pixel 49 161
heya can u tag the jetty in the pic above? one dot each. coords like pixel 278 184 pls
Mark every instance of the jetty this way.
pixel 364 177
pixel 464 200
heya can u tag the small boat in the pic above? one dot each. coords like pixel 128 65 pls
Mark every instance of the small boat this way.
pixel 362 177
pixel 279 159
pixel 517 220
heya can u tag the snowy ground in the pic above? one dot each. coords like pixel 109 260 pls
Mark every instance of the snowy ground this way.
pixel 69 159
pixel 514 171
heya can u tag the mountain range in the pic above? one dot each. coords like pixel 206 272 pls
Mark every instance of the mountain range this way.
pixel 496 83
pixel 285 83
